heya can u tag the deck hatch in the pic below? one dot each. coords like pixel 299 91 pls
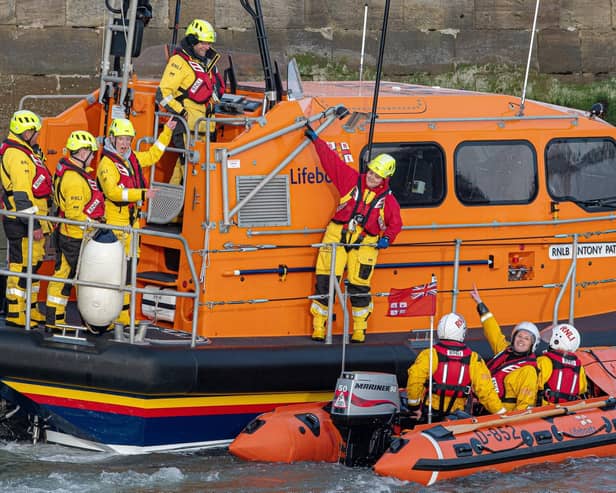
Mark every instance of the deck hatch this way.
pixel 269 207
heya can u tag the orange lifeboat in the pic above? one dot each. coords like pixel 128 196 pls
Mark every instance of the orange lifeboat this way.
pixel 290 434
pixel 431 453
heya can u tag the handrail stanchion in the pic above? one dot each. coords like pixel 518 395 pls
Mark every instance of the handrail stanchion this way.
pixel 456 269
pixel 565 285
pixel 29 271
pixel 331 292
pixel 342 296
pixel 573 276
pixel 134 247
pixel 224 155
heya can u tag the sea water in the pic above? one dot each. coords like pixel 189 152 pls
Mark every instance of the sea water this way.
pixel 52 468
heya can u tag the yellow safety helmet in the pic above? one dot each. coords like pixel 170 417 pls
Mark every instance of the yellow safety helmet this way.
pixel 121 126
pixel 383 165
pixel 23 120
pixel 81 139
pixel 202 30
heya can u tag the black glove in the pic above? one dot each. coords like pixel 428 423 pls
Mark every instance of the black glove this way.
pixel 310 133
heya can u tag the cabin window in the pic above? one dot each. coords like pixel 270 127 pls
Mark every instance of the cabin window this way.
pixel 495 173
pixel 419 180
pixel 582 171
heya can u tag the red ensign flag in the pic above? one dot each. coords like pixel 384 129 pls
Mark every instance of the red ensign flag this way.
pixel 412 302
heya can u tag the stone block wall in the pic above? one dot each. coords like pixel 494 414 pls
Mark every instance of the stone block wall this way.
pixel 64 37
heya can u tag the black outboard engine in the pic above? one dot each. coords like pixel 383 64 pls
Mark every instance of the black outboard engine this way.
pixel 364 408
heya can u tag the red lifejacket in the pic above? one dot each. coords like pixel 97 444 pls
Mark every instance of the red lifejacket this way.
pixel 353 209
pixel 502 364
pixel 564 382
pixel 130 177
pixel 207 83
pixel 95 208
pixel 42 182
pixel 452 377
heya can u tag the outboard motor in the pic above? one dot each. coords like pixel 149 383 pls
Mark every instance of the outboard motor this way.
pixel 364 408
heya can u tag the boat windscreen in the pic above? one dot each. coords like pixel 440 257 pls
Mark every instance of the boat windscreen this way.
pixel 583 171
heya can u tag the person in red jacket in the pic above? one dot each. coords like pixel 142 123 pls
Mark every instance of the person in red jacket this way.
pixel 366 220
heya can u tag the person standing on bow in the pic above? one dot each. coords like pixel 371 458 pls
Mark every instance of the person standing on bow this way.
pixel 191 85
pixel 26 187
pixel 366 220
pixel 77 197
pixel 457 374
pixel 514 365
pixel 561 375
pixel 121 180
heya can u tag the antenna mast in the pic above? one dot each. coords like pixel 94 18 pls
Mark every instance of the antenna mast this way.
pixel 530 52
pixel 377 82
pixel 363 46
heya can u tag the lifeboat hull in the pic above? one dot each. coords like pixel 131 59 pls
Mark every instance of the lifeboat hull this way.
pixel 549 434
pixel 290 434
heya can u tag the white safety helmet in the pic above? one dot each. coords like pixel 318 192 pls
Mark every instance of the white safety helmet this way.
pixel 452 327
pixel 529 327
pixel 565 337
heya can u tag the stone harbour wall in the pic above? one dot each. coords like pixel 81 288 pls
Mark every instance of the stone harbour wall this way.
pixel 64 37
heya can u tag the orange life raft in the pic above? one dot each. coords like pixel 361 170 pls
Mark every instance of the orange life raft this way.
pixel 430 453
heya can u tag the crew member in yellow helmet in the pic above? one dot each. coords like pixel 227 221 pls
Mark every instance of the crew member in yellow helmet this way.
pixel 26 187
pixel 367 220
pixel 121 179
pixel 77 197
pixel 191 84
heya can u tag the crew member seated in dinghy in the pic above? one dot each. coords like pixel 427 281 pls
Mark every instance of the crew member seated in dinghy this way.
pixel 562 377
pixel 368 218
pixel 78 198
pixel 514 365
pixel 121 179
pixel 457 374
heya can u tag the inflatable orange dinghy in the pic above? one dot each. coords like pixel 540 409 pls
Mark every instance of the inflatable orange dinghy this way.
pixel 355 428
pixel 302 432
pixel 431 453
pixel 600 367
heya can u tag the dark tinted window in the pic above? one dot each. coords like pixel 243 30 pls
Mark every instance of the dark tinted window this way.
pixel 419 179
pixel 582 170
pixel 496 172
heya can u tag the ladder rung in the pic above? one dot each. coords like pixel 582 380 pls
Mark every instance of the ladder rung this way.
pixel 112 78
pixel 118 27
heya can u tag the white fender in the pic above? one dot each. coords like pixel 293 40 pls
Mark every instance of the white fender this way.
pixel 104 263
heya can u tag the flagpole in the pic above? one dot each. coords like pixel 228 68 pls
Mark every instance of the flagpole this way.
pixel 433 280
pixel 430 371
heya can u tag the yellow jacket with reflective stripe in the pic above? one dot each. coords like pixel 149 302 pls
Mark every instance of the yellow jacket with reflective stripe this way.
pixel 108 177
pixel 481 383
pixel 520 384
pixel 16 173
pixel 71 198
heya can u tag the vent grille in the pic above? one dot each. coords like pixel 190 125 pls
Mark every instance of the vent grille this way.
pixel 269 207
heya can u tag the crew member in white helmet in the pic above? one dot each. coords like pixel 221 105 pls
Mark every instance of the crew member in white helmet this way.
pixel 562 377
pixel 514 365
pixel 458 373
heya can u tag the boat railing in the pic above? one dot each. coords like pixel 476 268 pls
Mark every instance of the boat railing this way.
pixel 223 155
pixel 130 285
pixel 457 246
pixel 90 98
